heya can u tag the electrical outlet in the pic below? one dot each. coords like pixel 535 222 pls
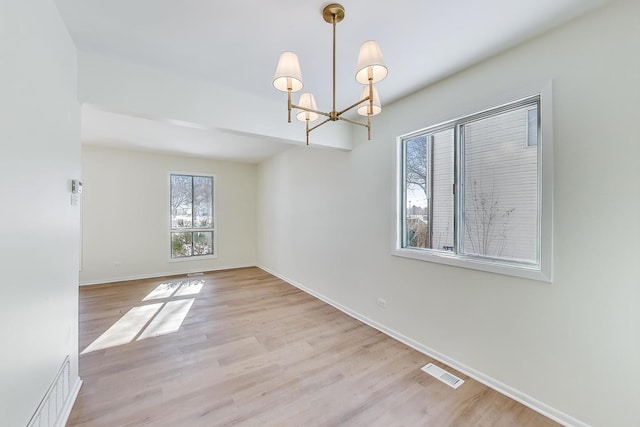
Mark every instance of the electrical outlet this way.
pixel 117 263
pixel 382 303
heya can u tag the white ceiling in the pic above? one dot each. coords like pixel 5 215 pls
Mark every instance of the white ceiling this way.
pixel 114 129
pixel 237 43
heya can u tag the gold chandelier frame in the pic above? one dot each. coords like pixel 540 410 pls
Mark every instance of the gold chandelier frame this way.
pixel 371 69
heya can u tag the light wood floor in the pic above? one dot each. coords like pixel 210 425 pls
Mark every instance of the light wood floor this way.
pixel 255 351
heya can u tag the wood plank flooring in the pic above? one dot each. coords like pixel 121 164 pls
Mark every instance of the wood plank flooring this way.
pixel 255 351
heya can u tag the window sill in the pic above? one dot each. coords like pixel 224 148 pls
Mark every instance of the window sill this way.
pixel 504 268
pixel 193 258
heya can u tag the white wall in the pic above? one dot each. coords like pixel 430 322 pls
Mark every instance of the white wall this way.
pixel 132 88
pixel 39 228
pixel 126 214
pixel 325 222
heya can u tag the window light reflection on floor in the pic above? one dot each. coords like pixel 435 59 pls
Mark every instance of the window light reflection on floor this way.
pixel 169 319
pixel 151 320
pixel 163 290
pixel 192 287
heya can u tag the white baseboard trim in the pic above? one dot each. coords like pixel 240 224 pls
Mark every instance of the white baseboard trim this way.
pixel 528 401
pixel 156 275
pixel 68 406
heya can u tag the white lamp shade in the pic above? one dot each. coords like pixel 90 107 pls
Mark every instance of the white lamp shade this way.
pixel 363 109
pixel 288 71
pixel 370 63
pixel 308 101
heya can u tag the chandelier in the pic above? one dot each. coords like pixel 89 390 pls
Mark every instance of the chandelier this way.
pixel 370 69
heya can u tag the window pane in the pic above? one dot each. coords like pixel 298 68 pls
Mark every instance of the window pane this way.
pixel 500 194
pixel 429 191
pixel 416 201
pixel 442 197
pixel 181 244
pixel 203 202
pixel 181 195
pixel 532 127
pixel 203 243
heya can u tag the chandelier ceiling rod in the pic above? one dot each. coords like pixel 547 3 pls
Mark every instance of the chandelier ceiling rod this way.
pixel 371 69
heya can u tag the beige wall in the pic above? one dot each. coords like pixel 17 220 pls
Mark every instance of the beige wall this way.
pixel 325 222
pixel 39 227
pixel 125 231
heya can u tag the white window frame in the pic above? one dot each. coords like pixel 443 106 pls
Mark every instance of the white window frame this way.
pixel 213 229
pixel 542 271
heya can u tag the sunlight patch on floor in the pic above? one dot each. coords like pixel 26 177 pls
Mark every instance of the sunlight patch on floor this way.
pixel 168 320
pixel 151 320
pixel 125 329
pixel 191 287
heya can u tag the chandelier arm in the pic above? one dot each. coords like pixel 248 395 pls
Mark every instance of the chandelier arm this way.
pixel 318 125
pixel 367 125
pixel 354 105
pixel 354 122
pixel 299 107
pixel 289 105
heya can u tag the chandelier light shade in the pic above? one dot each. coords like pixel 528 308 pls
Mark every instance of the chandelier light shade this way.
pixel 370 110
pixel 309 103
pixel 288 75
pixel 370 69
pixel 370 63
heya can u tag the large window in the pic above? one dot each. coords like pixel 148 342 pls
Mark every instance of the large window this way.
pixel 192 216
pixel 471 192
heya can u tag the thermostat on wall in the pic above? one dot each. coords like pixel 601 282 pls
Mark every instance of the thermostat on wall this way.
pixel 76 186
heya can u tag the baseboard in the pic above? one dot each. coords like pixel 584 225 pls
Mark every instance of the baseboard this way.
pixel 66 410
pixel 528 401
pixel 156 275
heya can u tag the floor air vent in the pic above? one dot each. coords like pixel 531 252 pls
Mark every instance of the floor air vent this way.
pixel 442 375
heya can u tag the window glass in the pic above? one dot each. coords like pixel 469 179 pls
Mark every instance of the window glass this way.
pixel 428 195
pixel 532 127
pixel 181 245
pixel 500 191
pixel 203 201
pixel 471 191
pixel 191 209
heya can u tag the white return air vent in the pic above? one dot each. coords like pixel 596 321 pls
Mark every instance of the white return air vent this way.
pixel 50 410
pixel 442 375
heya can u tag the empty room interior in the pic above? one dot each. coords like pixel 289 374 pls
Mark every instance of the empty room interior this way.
pixel 300 213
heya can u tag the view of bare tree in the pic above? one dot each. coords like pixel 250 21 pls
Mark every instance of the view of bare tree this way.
pixel 417 221
pixel 486 222
pixel 181 195
pixel 416 163
pixel 191 207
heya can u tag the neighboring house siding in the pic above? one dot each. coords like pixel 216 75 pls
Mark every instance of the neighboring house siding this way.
pixel 501 185
pixel 442 189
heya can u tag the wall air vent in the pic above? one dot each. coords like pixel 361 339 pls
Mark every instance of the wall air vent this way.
pixel 49 411
pixel 442 375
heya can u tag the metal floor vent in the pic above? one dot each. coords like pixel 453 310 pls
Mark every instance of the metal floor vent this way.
pixel 442 375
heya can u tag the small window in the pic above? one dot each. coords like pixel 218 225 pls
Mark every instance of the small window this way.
pixel 192 216
pixel 532 127
pixel 471 191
